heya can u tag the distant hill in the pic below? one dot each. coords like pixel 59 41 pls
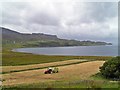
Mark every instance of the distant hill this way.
pixel 16 36
pixel 41 40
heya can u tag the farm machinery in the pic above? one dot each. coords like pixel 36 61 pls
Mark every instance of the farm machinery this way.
pixel 51 70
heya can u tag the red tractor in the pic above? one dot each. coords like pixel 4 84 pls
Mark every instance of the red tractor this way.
pixel 51 70
pixel 48 71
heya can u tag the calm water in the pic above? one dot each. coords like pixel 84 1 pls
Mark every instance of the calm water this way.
pixel 74 50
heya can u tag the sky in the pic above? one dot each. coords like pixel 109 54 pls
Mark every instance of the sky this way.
pixel 77 20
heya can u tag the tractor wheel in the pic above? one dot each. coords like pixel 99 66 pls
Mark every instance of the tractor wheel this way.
pixel 45 72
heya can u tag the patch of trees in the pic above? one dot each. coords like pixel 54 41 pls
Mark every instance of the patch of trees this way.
pixel 111 68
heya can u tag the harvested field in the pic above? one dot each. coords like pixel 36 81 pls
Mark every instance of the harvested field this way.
pixel 28 67
pixel 70 72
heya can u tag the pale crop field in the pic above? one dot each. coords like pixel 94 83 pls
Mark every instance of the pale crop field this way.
pixel 81 71
pixel 27 67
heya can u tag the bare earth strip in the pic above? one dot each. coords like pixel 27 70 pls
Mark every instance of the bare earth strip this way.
pixel 69 72
pixel 26 67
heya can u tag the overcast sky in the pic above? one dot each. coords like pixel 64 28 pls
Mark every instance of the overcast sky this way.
pixel 70 20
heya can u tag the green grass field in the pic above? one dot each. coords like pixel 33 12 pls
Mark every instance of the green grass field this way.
pixel 89 84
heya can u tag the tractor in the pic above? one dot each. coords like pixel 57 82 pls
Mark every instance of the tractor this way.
pixel 51 70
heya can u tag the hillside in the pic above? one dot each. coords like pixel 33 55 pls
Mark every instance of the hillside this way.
pixel 41 40
pixel 16 36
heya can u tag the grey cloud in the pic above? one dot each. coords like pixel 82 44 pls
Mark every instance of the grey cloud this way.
pixel 99 32
pixel 40 17
pixel 10 18
pixel 11 12
pixel 14 5
pixel 102 11
pixel 43 18
pixel 95 12
pixel 109 38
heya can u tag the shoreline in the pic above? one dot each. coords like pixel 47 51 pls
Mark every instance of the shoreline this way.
pixel 56 51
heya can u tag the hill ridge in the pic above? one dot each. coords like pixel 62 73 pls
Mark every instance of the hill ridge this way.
pixel 42 40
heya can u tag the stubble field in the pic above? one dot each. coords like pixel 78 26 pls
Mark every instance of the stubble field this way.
pixel 80 71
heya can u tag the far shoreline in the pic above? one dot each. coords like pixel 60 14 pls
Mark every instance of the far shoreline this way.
pixel 17 50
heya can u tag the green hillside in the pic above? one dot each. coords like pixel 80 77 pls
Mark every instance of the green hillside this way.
pixel 12 38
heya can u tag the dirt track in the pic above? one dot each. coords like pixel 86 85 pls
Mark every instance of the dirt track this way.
pixel 69 72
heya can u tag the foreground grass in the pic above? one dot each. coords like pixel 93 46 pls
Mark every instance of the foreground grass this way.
pixel 10 58
pixel 96 82
pixel 70 84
